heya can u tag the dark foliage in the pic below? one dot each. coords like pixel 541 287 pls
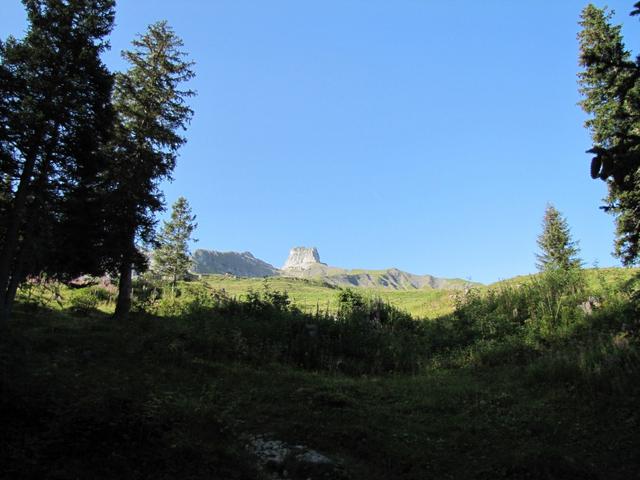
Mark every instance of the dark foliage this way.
pixel 610 85
pixel 56 116
pixel 151 112
pixel 366 336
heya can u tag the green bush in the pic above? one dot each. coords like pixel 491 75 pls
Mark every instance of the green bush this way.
pixel 83 301
pixel 102 294
pixel 146 291
pixel 40 292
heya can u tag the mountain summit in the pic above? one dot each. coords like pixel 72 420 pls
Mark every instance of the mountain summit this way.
pixel 304 262
pixel 302 258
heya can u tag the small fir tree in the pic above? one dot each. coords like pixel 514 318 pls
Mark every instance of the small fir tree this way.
pixel 172 258
pixel 557 248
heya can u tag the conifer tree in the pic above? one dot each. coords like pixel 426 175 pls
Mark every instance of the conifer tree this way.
pixel 557 248
pixel 55 115
pixel 172 258
pixel 610 86
pixel 151 111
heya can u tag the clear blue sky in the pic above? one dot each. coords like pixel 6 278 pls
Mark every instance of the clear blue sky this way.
pixel 423 135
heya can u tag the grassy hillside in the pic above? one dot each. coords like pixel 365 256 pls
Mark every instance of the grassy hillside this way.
pixel 594 277
pixel 177 393
pixel 305 294
pixel 309 295
pixel 424 303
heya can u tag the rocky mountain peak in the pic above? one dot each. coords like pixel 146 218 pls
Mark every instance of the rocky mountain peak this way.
pixel 302 258
pixel 235 263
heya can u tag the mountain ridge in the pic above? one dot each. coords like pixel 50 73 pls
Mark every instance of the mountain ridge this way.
pixel 304 262
pixel 242 264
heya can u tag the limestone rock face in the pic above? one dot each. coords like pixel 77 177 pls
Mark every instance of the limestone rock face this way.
pixel 304 262
pixel 302 258
pixel 235 263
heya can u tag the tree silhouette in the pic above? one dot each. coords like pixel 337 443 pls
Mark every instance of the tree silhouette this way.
pixel 55 115
pixel 151 110
pixel 610 85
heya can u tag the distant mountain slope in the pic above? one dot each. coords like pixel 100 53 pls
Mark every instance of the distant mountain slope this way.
pixel 305 263
pixel 234 263
pixel 391 278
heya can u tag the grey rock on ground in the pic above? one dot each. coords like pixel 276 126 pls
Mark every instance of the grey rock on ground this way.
pixel 279 460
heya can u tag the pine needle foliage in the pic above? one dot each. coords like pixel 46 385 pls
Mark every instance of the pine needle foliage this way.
pixel 152 112
pixel 557 249
pixel 55 118
pixel 172 258
pixel 610 87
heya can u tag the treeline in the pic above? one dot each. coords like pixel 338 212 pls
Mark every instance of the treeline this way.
pixel 83 149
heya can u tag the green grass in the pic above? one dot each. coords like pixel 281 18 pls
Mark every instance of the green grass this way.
pixel 425 303
pixel 174 395
pixel 594 277
pixel 86 397
pixel 310 295
pixel 305 294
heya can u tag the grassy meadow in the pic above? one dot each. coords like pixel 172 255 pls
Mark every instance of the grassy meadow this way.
pixel 310 295
pixel 515 381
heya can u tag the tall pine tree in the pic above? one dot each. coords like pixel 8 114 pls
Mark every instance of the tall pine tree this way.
pixel 172 258
pixel 610 85
pixel 151 113
pixel 55 113
pixel 557 249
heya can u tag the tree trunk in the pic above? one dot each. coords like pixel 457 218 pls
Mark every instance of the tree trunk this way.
pixel 14 283
pixel 11 240
pixel 123 304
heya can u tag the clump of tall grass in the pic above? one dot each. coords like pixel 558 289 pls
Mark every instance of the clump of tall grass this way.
pixel 544 306
pixel 555 325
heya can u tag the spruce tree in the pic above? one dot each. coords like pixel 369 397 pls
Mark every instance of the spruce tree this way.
pixel 172 258
pixel 151 111
pixel 557 249
pixel 55 114
pixel 610 86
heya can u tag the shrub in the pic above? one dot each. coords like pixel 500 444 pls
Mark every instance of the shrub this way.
pixel 102 294
pixel 544 307
pixel 40 291
pixel 83 301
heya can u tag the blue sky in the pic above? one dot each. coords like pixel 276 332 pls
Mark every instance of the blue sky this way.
pixel 423 135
